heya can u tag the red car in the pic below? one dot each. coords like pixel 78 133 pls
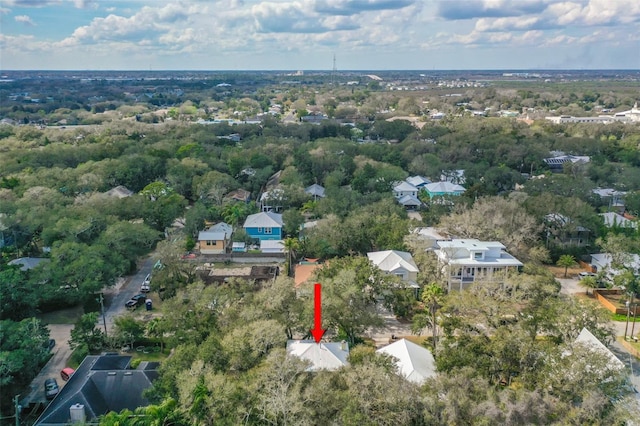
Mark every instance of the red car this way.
pixel 66 373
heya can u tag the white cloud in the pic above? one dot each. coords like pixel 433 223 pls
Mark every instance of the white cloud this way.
pixel 24 19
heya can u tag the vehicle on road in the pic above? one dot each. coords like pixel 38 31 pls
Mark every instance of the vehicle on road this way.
pixel 51 388
pixel 66 373
pixel 146 284
pixel 51 344
pixel 135 301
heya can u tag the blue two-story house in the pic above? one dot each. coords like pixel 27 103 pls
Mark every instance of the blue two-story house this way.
pixel 264 226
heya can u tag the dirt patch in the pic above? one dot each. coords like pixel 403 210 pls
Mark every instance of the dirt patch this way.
pixel 558 271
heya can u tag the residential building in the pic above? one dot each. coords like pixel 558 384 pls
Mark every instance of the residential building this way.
pixel 316 191
pixel 272 246
pixel 239 195
pixel 556 163
pixel 615 220
pixel 101 383
pixel 564 232
pixel 588 340
pixel 602 262
pixel 216 239
pixel 440 189
pixel 119 192
pixel 397 263
pixel 464 261
pixel 264 226
pixel 409 202
pixel 614 199
pixel 303 271
pixel 272 200
pixel 418 181
pixel 401 189
pixel 321 356
pixel 430 236
pixel 414 362
pixel 27 263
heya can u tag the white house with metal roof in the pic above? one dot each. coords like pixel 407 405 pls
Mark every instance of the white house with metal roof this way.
pixel 401 189
pixel 414 362
pixel 398 263
pixel 321 356
pixel 466 260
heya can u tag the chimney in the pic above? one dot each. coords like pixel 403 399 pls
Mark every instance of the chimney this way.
pixel 77 414
pixel 343 345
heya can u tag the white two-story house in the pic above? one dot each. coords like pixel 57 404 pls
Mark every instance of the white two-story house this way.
pixel 467 260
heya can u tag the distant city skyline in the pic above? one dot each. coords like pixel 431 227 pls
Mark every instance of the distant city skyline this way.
pixel 306 34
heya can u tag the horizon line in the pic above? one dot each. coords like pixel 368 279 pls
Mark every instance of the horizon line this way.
pixel 317 70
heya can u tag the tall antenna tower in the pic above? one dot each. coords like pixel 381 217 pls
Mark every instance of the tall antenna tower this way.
pixel 333 73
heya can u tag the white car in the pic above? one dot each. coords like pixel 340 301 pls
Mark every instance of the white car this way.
pixel 586 274
pixel 146 284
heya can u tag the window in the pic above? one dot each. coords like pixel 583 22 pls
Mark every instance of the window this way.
pixel 477 255
pixel 211 243
pixel 267 230
pixel 259 230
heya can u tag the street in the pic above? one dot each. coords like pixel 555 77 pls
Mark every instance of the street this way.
pixel 114 300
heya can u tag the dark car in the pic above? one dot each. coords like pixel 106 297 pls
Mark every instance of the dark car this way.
pixel 51 344
pixel 51 388
pixel 135 301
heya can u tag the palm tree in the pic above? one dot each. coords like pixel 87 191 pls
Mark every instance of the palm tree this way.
pixel 566 261
pixel 291 245
pixel 432 297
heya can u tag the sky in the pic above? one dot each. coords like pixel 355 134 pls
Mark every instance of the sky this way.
pixel 306 34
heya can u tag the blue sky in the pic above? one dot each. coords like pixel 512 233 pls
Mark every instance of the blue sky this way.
pixel 305 34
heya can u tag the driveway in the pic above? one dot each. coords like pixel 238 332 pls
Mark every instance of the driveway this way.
pixel 391 327
pixel 116 297
pixel 61 353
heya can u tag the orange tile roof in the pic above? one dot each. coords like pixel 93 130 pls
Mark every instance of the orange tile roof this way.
pixel 303 273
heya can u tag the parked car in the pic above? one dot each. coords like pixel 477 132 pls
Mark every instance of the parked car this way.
pixel 135 301
pixel 146 284
pixel 51 388
pixel 66 373
pixel 51 344
pixel 586 274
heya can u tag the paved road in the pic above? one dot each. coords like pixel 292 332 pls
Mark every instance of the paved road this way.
pixel 61 352
pixel 114 301
pixel 116 297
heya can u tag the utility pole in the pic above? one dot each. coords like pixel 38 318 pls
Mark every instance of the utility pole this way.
pixel 17 406
pixel 104 319
pixel 633 326
pixel 627 326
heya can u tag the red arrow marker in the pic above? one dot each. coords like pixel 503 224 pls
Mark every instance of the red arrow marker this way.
pixel 317 332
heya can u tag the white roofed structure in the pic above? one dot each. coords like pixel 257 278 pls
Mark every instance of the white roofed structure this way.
pixel 322 356
pixel 414 362
pixel 263 220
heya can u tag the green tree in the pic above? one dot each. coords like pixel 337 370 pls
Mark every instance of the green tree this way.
pixel 86 333
pixel 432 298
pixel 128 330
pixel 566 261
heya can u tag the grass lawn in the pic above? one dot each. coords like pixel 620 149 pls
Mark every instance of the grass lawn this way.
pixel 63 316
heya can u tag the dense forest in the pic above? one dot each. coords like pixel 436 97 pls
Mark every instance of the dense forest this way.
pixel 228 364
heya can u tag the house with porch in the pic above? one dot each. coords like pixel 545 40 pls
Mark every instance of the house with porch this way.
pixel 407 195
pixel 264 226
pixel 464 261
